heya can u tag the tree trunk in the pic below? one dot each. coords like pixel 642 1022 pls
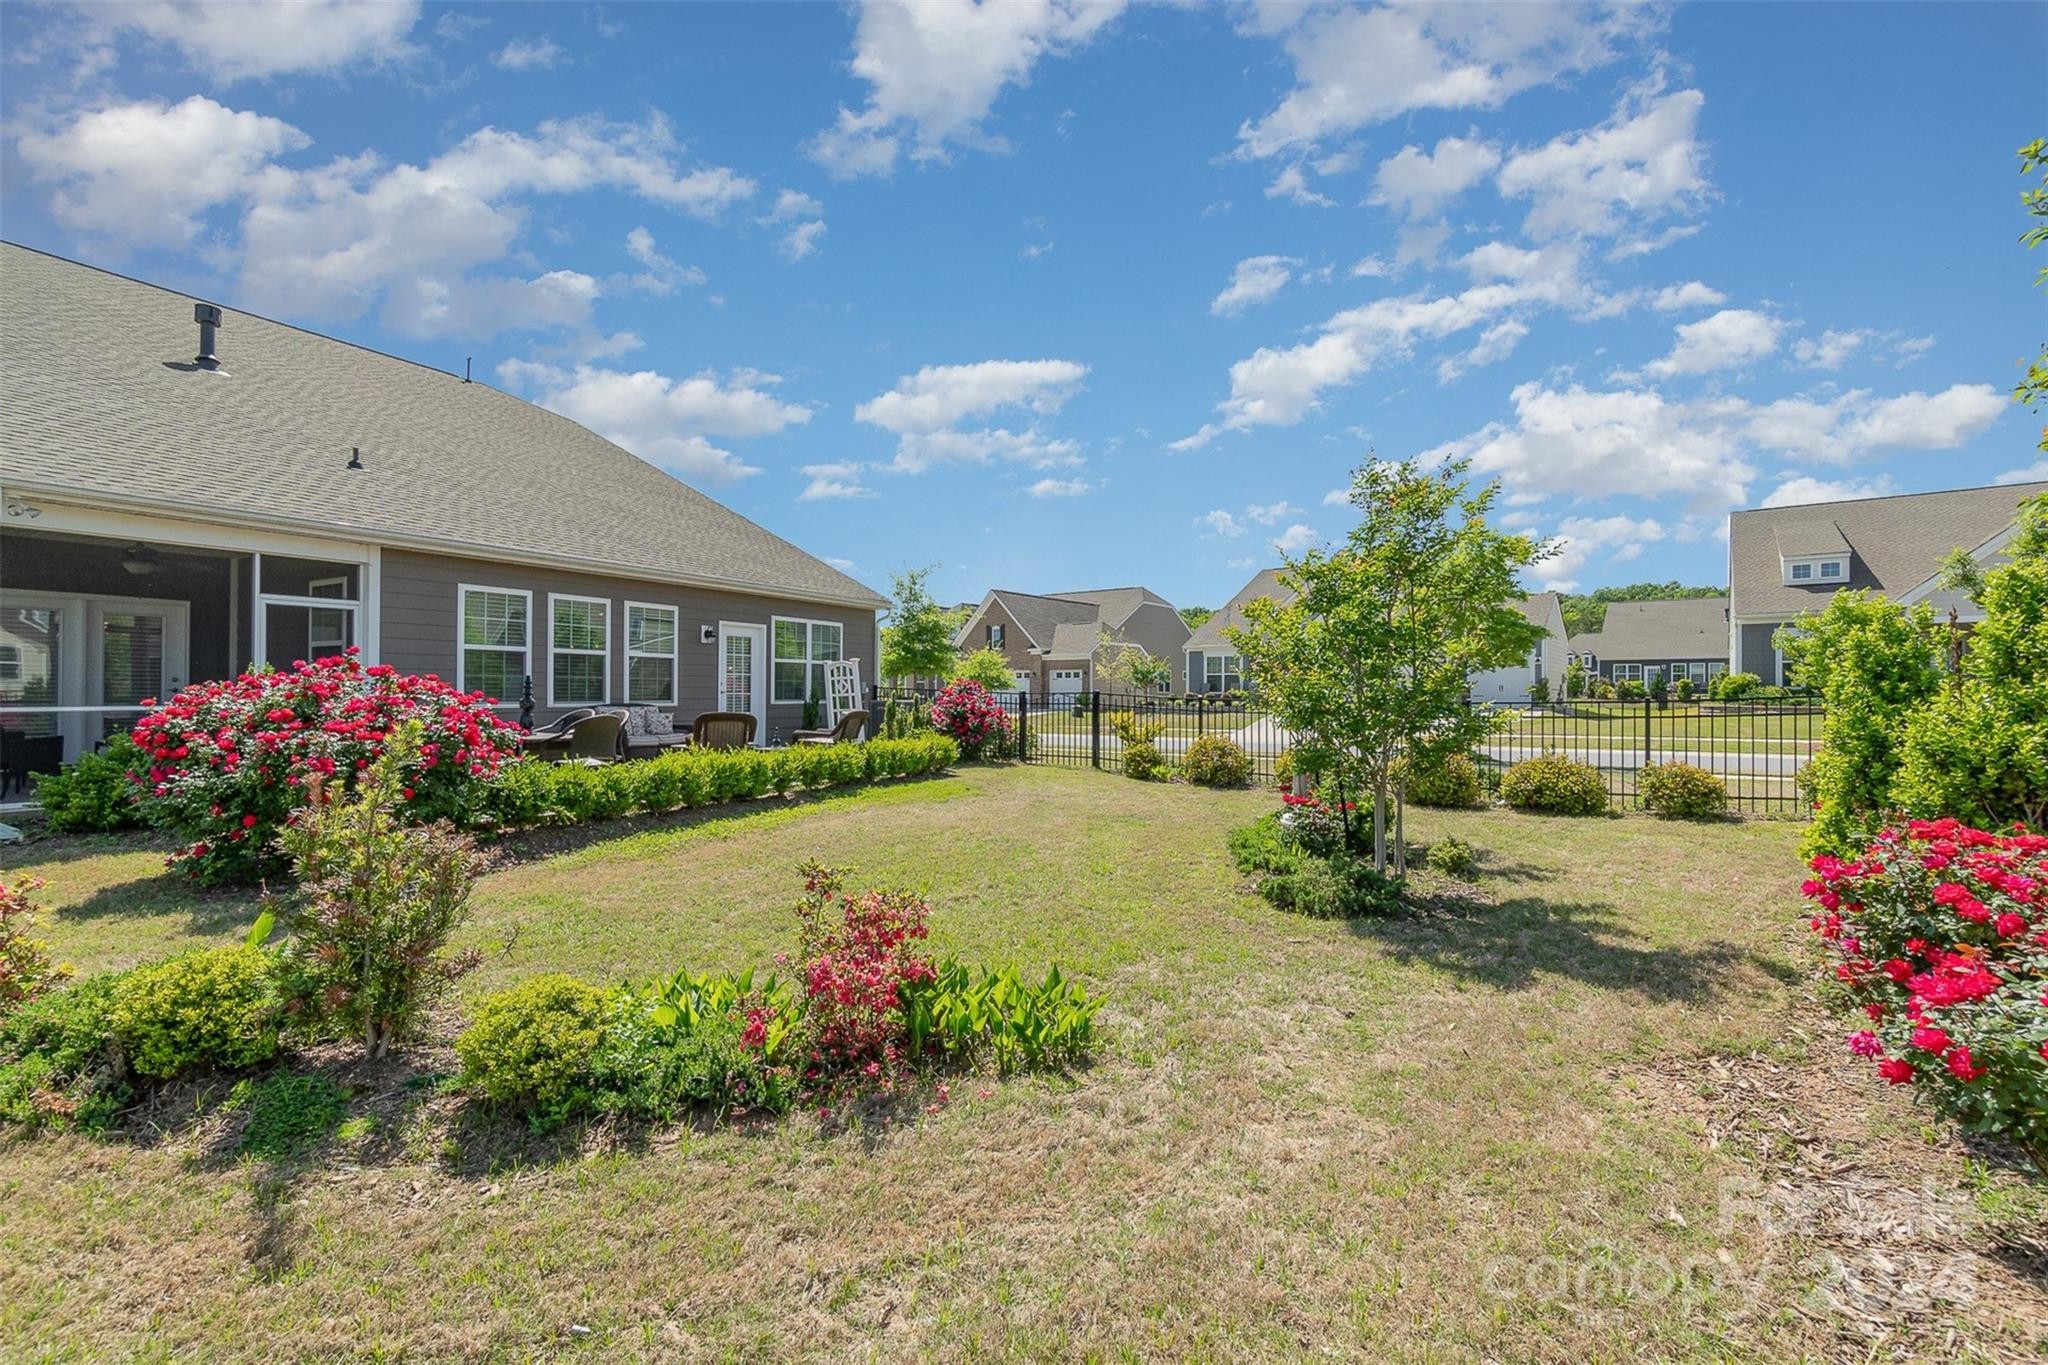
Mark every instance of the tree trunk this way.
pixel 1400 830
pixel 1379 825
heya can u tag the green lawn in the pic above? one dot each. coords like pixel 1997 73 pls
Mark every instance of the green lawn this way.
pixel 1494 1130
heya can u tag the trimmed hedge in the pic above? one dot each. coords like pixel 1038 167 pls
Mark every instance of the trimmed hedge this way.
pixel 1681 791
pixel 1556 785
pixel 533 792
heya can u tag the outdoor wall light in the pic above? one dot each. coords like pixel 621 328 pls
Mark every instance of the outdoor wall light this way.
pixel 707 635
pixel 22 509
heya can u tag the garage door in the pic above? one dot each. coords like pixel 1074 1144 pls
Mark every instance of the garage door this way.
pixel 1066 682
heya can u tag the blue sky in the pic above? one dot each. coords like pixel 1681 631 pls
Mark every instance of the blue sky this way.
pixel 1055 295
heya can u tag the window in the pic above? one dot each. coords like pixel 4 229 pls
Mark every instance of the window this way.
pixel 1536 662
pixel 1628 672
pixel 10 663
pixel 497 642
pixel 650 655
pixel 1831 568
pixel 579 650
pixel 995 637
pixel 1715 670
pixel 801 651
pixel 1222 673
pixel 1801 572
pixel 327 629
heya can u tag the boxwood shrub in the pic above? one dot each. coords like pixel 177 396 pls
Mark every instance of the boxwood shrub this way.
pixel 94 795
pixel 213 1008
pixel 1213 761
pixel 1681 791
pixel 1555 785
pixel 1451 783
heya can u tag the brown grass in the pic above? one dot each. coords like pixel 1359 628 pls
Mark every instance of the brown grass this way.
pixel 1487 1132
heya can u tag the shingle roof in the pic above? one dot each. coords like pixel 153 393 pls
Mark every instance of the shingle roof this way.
pixel 1538 606
pixel 98 395
pixel 1819 537
pixel 1209 635
pixel 1895 544
pixel 1074 640
pixel 1042 616
pixel 1691 628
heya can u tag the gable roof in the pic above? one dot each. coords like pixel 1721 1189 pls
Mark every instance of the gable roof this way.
pixel 1539 607
pixel 1894 544
pixel 98 397
pixel 1688 628
pixel 1044 616
pixel 1536 608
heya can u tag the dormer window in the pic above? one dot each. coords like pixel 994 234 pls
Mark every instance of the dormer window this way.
pixel 1811 569
pixel 1801 572
pixel 1831 568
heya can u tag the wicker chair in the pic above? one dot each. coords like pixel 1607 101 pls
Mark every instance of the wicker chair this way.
pixel 596 736
pixel 845 732
pixel 723 730
pixel 549 740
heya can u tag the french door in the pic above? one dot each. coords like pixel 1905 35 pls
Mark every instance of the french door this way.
pixel 81 667
pixel 743 673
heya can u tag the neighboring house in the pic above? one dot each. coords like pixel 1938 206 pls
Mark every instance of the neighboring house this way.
pixel 1640 641
pixel 1055 641
pixel 1215 666
pixel 1786 561
pixel 168 520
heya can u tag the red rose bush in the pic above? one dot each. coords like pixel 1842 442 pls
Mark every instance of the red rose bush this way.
pixel 1940 933
pixel 968 712
pixel 230 761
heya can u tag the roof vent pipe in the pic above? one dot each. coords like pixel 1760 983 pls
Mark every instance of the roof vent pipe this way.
pixel 207 315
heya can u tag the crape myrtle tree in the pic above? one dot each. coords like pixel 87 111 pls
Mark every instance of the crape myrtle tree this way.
pixel 918 640
pixel 1127 666
pixel 1368 665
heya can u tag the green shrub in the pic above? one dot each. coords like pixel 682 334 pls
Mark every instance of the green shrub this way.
pixel 1263 846
pixel 289 1115
pixel 989 667
pixel 377 900
pixel 1451 856
pixel 57 1058
pixel 1539 691
pixel 644 1071
pixel 994 1016
pixel 1681 689
pixel 26 969
pixel 215 1008
pixel 1555 785
pixel 1451 783
pixel 532 1046
pixel 1681 791
pixel 1733 686
pixel 1132 728
pixel 94 795
pixel 1143 761
pixel 1628 689
pixel 1341 887
pixel 1659 689
pixel 1600 689
pixel 1213 761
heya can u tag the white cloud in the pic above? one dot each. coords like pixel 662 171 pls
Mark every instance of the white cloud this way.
pixel 1337 497
pixel 1355 67
pixel 1731 337
pixel 935 68
pixel 660 274
pixel 829 482
pixel 1420 243
pixel 1911 349
pixel 1495 343
pixel 1677 298
pixel 258 38
pixel 2037 472
pixel 1371 268
pixel 1255 280
pixel 1417 183
pixel 145 172
pixel 1219 523
pixel 1272 513
pixel 1801 489
pixel 1634 168
pixel 1593 444
pixel 1631 247
pixel 1060 488
pixel 1292 183
pixel 1581 539
pixel 1830 350
pixel 806 217
pixel 939 396
pixel 662 420
pixel 1295 539
pixel 529 54
pixel 917 451
pixel 792 204
pixel 802 240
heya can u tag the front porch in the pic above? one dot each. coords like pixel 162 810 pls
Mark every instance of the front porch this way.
pixel 101 612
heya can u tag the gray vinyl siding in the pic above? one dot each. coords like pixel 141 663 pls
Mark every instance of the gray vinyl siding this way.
pixel 1164 635
pixel 420 612
pixel 1757 655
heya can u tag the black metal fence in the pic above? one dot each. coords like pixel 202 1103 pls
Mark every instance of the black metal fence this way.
pixel 1755 748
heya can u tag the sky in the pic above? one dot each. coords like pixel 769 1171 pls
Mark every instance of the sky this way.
pixel 1052 294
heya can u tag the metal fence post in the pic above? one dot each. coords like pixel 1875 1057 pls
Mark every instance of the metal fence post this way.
pixel 1648 707
pixel 1023 727
pixel 1095 728
pixel 1201 720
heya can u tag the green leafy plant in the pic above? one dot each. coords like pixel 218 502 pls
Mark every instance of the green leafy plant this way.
pixel 1452 856
pixel 989 667
pixel 59 1066
pixel 1555 785
pixel 1681 791
pixel 26 968
pixel 1575 680
pixel 532 1046
pixel 211 1009
pixel 993 1016
pixel 1143 761
pixel 1659 689
pixel 1213 761
pixel 1539 691
pixel 917 641
pixel 376 903
pixel 1450 782
pixel 97 794
pixel 290 1115
pixel 1733 687
pixel 1681 689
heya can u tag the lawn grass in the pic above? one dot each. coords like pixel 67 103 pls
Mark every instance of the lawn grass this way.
pixel 1378 1138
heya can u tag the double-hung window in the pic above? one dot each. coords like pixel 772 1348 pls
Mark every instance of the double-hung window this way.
pixel 579 650
pixel 497 641
pixel 802 649
pixel 650 655
pixel 1222 673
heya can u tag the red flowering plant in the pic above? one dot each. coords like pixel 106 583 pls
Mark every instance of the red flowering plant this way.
pixel 1315 826
pixel 230 761
pixel 967 711
pixel 1940 932
pixel 857 956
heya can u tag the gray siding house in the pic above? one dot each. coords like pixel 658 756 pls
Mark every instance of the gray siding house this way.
pixel 1215 666
pixel 1786 561
pixel 165 518
pixel 1054 641
pixel 1639 641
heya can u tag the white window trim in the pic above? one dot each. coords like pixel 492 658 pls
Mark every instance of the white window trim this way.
pixel 1815 570
pixel 335 581
pixel 674 656
pixel 1232 667
pixel 462 592
pixel 605 653
pixel 775 659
